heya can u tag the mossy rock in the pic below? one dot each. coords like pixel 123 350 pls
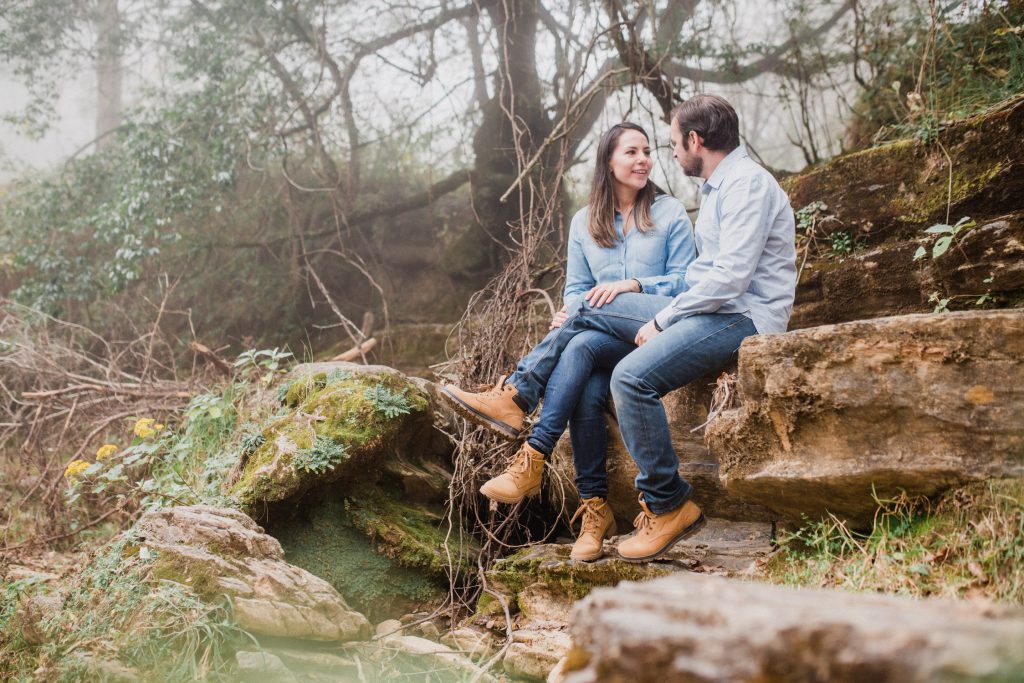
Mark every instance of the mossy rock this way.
pixel 385 555
pixel 335 424
pixel 550 566
pixel 899 189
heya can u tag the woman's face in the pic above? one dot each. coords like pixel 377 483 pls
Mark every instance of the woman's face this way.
pixel 631 160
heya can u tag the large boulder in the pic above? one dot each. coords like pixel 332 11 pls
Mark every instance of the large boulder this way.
pixel 833 418
pixel 216 552
pixel 897 190
pixel 689 627
pixel 686 409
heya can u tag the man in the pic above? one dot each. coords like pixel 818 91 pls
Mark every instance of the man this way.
pixel 741 284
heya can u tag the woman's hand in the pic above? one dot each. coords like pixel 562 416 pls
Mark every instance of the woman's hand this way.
pixel 606 293
pixel 559 318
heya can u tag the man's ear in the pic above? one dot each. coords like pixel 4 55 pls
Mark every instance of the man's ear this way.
pixel 696 141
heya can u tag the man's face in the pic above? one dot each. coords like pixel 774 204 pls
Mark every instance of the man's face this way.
pixel 691 163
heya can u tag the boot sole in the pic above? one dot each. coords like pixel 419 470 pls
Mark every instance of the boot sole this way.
pixel 686 533
pixel 510 501
pixel 475 416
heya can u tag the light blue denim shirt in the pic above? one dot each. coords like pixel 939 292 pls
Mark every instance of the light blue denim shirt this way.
pixel 745 235
pixel 657 258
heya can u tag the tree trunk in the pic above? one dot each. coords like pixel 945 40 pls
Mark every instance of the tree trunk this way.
pixel 108 71
pixel 517 96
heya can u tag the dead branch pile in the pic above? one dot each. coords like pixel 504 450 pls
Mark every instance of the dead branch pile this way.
pixel 496 330
pixel 64 390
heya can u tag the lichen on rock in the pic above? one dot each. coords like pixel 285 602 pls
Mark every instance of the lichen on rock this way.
pixel 360 413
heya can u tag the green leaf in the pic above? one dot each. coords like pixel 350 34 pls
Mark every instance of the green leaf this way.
pixel 938 229
pixel 920 253
pixel 941 246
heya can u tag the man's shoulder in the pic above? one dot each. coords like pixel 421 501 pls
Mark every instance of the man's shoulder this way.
pixel 747 171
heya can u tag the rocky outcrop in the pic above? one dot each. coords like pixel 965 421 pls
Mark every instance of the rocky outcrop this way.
pixel 885 280
pixel 342 420
pixel 899 189
pixel 686 408
pixel 690 627
pixel 835 416
pixel 216 551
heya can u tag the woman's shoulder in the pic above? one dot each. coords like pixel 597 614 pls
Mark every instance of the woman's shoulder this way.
pixel 578 224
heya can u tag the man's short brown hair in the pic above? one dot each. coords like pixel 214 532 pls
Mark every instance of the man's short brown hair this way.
pixel 712 118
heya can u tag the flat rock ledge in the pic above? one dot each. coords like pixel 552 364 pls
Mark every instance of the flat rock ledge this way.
pixel 219 551
pixel 690 627
pixel 834 416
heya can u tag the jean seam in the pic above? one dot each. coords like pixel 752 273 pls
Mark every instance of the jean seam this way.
pixel 583 314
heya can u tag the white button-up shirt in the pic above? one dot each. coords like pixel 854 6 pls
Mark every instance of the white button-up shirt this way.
pixel 745 236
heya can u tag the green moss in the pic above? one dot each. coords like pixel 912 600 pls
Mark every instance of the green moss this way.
pixel 550 565
pixel 192 574
pixel 338 410
pixel 413 536
pixel 328 544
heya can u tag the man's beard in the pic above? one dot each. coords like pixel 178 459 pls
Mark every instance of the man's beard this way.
pixel 693 166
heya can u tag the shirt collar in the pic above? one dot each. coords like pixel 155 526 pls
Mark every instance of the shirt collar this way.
pixel 715 181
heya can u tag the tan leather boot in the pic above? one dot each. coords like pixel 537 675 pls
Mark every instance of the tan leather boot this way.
pixel 656 534
pixel 598 524
pixel 494 408
pixel 521 479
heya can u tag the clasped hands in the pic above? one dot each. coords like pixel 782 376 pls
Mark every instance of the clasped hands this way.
pixel 602 294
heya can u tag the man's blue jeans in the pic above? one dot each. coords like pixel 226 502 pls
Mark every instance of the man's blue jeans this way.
pixel 685 351
pixel 577 392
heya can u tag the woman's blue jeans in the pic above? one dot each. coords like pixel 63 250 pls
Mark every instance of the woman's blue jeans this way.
pixel 690 348
pixel 577 393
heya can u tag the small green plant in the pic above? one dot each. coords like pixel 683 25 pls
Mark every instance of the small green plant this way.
pixel 251 441
pixel 266 362
pixel 944 237
pixel 840 243
pixel 968 543
pixel 809 216
pixel 322 457
pixel 387 402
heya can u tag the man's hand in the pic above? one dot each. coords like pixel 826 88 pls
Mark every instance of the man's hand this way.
pixel 603 294
pixel 646 333
pixel 559 318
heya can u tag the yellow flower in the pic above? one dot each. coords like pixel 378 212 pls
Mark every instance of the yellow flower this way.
pixel 144 427
pixel 158 427
pixel 75 468
pixel 105 451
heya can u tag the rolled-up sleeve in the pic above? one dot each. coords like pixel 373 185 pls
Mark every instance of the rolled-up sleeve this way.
pixel 680 252
pixel 744 214
pixel 578 277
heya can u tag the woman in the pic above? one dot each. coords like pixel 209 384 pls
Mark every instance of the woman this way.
pixel 631 238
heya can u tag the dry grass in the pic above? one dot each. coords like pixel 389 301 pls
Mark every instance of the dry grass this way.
pixel 968 545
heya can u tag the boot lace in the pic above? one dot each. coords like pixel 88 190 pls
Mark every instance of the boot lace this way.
pixel 644 520
pixel 495 390
pixel 521 464
pixel 591 517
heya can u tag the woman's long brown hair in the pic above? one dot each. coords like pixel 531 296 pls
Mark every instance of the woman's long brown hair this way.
pixel 601 214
